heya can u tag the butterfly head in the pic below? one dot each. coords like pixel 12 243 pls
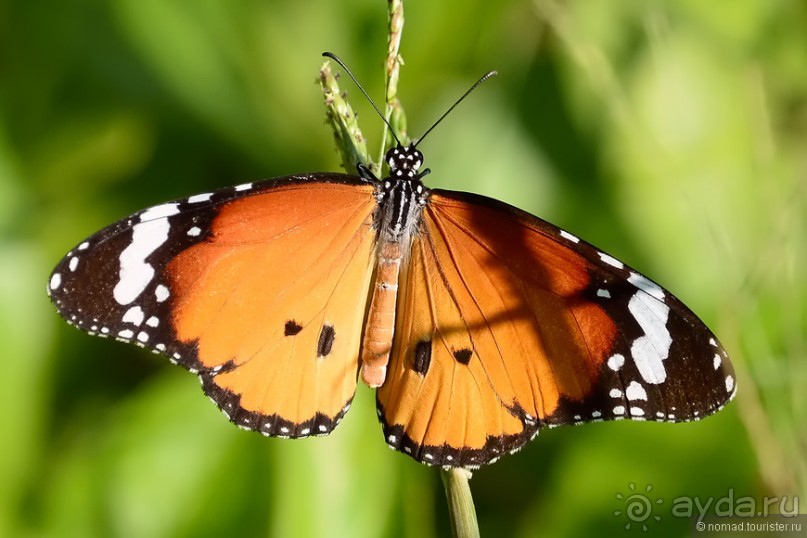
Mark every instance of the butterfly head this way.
pixel 405 162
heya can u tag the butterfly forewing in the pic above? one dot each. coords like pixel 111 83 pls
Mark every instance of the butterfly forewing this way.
pixel 260 289
pixel 510 324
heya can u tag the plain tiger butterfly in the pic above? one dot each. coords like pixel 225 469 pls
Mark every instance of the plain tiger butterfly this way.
pixel 478 323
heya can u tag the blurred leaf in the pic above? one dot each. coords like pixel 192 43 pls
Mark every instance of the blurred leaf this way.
pixel 26 364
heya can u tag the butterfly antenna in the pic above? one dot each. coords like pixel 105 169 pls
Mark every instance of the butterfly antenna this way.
pixel 486 76
pixel 338 60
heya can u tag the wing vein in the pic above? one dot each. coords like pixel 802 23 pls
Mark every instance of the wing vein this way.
pixel 536 389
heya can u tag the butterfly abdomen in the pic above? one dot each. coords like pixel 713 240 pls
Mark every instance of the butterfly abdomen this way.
pixel 380 324
pixel 401 206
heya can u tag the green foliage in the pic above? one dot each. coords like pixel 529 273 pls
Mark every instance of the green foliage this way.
pixel 670 133
pixel 347 135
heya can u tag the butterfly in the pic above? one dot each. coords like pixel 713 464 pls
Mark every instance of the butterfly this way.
pixel 479 324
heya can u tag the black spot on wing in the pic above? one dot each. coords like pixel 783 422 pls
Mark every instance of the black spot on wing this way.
pixel 423 356
pixel 292 328
pixel 463 356
pixel 325 343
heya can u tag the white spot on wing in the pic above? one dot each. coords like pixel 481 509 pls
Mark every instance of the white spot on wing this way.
pixel 635 391
pixel 649 351
pixel 713 342
pixel 717 361
pixel 161 293
pixel 243 187
pixel 84 245
pixel 729 383
pixel 135 274
pixel 195 199
pixel 126 333
pixel 195 231
pixel 152 322
pixel 646 285
pixel 73 263
pixel 619 410
pixel 603 293
pixel 615 362
pixel 570 237
pixel 159 212
pixel 636 412
pixel 615 393
pixel 134 315
pixel 55 281
pixel 613 262
pixel 143 336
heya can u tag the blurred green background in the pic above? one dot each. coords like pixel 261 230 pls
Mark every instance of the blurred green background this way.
pixel 672 134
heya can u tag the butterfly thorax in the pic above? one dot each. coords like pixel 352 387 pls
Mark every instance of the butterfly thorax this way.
pixel 402 197
pixel 402 194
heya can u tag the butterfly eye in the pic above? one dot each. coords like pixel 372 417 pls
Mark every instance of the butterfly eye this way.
pixel 395 157
pixel 417 160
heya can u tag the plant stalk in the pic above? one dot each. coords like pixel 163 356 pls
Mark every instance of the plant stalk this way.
pixel 461 508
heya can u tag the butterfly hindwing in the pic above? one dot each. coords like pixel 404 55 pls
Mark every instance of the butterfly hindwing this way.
pixel 508 324
pixel 259 289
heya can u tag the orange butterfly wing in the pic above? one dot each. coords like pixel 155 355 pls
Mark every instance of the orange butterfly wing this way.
pixel 259 289
pixel 507 324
